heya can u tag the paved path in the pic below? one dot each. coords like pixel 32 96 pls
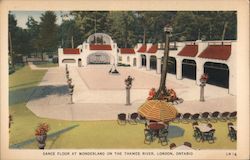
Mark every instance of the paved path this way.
pixel 34 67
pixel 99 102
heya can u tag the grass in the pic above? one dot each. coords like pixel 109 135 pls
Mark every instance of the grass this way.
pixel 91 134
pixel 45 64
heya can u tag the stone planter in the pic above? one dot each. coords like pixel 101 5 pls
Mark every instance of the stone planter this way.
pixel 203 81
pixel 41 140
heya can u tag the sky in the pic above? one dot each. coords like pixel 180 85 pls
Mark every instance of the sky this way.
pixel 22 16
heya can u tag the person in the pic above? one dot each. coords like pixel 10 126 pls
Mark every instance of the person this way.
pixel 172 94
pixel 151 94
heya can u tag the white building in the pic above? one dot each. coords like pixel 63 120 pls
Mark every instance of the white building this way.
pixel 187 59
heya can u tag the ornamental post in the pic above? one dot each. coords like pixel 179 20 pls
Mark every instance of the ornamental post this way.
pixel 128 85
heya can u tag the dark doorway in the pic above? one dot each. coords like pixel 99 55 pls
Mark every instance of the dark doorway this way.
pixel 171 65
pixel 189 69
pixel 143 60
pixel 152 62
pixel 79 62
pixel 218 74
pixel 134 62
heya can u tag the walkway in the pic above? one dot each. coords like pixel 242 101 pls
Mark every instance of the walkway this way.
pixel 94 100
pixel 34 67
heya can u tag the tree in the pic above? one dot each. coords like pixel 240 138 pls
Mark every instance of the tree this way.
pixel 48 40
pixel 18 41
pixel 90 22
pixel 12 32
pixel 33 32
pixel 123 28
pixel 68 30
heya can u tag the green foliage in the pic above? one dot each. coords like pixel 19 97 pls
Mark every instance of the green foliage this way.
pixel 67 30
pixel 33 33
pixel 48 40
pixel 127 28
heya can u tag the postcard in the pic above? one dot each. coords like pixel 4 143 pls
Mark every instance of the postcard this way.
pixel 124 79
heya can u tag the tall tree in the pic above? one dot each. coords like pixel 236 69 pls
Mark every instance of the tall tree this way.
pixel 33 32
pixel 90 22
pixel 48 40
pixel 68 30
pixel 123 28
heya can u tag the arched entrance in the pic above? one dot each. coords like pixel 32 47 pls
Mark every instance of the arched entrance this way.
pixel 189 69
pixel 128 59
pixel 79 62
pixel 99 58
pixel 153 62
pixel 218 74
pixel 143 61
pixel 134 62
pixel 171 65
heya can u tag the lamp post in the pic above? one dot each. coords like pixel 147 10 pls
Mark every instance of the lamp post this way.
pixel 203 81
pixel 71 91
pixel 162 88
pixel 69 81
pixel 128 85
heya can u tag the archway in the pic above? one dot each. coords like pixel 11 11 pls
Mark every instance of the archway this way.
pixel 134 62
pixel 143 61
pixel 153 62
pixel 218 74
pixel 99 58
pixel 128 59
pixel 79 62
pixel 171 65
pixel 189 69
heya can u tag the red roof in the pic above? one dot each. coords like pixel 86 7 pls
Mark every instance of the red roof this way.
pixel 100 47
pixel 71 51
pixel 221 52
pixel 127 51
pixel 153 48
pixel 143 48
pixel 189 51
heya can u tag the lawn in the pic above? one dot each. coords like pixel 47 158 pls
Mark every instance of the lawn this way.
pixel 90 134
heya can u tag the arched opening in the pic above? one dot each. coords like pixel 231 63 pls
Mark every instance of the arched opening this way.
pixel 143 61
pixel 128 59
pixel 189 69
pixel 68 61
pixel 152 62
pixel 171 65
pixel 79 62
pixel 98 58
pixel 134 62
pixel 218 74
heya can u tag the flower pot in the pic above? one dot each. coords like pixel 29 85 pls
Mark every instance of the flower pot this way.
pixel 41 140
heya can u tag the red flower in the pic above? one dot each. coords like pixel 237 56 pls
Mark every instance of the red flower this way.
pixel 204 77
pixel 42 129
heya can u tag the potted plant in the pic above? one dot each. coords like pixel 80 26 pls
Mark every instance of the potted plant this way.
pixel 41 134
pixel 204 78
